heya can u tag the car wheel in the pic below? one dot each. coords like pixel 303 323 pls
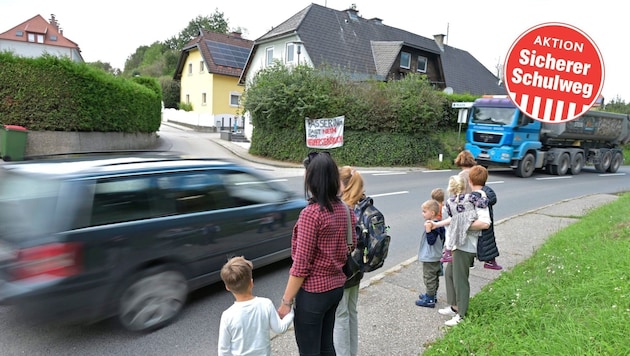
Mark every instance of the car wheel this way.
pixel 153 299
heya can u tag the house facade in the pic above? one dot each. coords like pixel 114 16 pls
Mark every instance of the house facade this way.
pixel 367 49
pixel 36 36
pixel 208 69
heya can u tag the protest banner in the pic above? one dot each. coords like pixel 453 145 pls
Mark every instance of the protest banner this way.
pixel 324 133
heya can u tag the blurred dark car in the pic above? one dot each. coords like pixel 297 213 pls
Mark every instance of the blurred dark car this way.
pixel 88 238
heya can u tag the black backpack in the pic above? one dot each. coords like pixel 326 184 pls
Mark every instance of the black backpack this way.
pixel 373 235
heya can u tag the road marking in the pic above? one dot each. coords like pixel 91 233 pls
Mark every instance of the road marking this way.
pixel 611 174
pixel 386 194
pixel 562 177
pixel 389 173
pixel 495 182
pixel 437 171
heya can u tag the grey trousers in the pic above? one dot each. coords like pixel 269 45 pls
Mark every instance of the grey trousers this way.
pixel 456 278
pixel 346 331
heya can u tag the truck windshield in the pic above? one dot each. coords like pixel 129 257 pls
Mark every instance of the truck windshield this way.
pixel 492 116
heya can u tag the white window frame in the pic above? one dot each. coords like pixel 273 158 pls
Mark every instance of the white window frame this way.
pixel 424 60
pixel 269 56
pixel 290 58
pixel 406 65
pixel 190 68
pixel 238 99
pixel 40 38
pixel 187 98
pixel 201 67
pixel 203 98
pixel 31 37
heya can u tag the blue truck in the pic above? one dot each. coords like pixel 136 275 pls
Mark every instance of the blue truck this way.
pixel 499 134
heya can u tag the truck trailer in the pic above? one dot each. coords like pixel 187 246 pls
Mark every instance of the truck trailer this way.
pixel 499 134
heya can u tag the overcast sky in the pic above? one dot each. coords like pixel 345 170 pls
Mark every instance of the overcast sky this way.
pixel 110 31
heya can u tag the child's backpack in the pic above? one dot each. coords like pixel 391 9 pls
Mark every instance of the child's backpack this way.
pixel 373 234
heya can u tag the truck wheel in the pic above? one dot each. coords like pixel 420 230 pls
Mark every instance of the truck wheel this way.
pixel 152 299
pixel 563 165
pixel 604 162
pixel 526 166
pixel 615 163
pixel 577 164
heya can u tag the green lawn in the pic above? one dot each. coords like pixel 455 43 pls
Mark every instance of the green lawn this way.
pixel 572 297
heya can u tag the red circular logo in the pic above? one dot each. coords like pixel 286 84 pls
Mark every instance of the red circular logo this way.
pixel 554 72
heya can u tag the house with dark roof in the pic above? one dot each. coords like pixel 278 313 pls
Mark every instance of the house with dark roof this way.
pixel 208 69
pixel 363 48
pixel 36 36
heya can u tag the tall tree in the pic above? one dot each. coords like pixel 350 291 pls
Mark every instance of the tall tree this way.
pixel 216 22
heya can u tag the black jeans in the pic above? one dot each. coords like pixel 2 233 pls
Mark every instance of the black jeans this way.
pixel 314 321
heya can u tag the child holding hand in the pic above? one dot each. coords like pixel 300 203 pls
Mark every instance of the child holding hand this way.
pixel 431 245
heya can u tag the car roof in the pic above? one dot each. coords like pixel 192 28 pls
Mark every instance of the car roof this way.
pixel 98 166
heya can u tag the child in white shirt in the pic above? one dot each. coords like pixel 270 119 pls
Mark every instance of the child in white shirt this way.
pixel 245 326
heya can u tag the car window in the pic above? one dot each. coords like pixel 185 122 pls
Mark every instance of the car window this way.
pixel 193 192
pixel 27 205
pixel 122 199
pixel 249 189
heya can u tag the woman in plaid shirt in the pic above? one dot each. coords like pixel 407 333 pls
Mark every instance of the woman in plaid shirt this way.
pixel 319 250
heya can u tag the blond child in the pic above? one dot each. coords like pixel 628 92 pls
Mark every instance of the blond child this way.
pixel 245 326
pixel 431 245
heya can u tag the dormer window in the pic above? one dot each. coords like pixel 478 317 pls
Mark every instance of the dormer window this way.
pixel 405 60
pixel 422 64
pixel 35 37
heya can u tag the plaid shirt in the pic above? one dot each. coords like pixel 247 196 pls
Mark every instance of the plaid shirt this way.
pixel 319 247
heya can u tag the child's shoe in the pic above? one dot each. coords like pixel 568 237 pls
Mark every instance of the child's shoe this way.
pixel 426 301
pixel 446 256
pixel 492 265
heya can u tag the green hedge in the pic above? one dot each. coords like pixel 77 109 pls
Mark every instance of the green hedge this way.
pixel 57 94
pixel 394 123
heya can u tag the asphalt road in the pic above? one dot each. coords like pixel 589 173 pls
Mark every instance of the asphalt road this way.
pixel 397 192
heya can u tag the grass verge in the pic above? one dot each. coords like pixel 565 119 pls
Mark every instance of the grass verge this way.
pixel 572 297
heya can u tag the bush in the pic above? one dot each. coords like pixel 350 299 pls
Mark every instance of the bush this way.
pixel 386 124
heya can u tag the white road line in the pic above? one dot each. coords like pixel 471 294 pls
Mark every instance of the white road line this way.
pixel 386 194
pixel 611 174
pixel 561 177
pixel 389 173
pixel 437 171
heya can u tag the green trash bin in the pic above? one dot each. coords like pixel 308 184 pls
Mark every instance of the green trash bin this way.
pixel 12 142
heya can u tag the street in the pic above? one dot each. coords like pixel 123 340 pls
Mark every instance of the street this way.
pixel 398 193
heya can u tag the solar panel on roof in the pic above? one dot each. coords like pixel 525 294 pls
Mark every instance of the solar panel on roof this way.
pixel 228 55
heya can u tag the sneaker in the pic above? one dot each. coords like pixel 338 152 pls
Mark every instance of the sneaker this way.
pixel 447 311
pixel 454 321
pixel 492 265
pixel 426 301
pixel 446 256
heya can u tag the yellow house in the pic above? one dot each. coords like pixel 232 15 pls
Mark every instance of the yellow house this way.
pixel 208 69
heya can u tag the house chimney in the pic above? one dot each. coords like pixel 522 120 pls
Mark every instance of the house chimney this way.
pixel 376 20
pixel 439 40
pixel 353 13
pixel 53 22
pixel 236 34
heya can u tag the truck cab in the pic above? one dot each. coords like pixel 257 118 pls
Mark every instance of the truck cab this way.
pixel 499 133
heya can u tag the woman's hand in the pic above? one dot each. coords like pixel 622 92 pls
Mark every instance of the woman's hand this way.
pixel 283 310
